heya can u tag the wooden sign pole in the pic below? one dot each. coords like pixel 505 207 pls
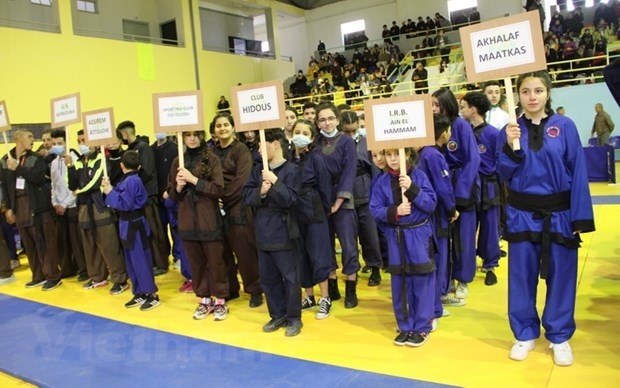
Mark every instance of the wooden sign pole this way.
pixel 510 99
pixel 180 149
pixel 104 162
pixel 402 156
pixel 67 148
pixel 8 147
pixel 263 149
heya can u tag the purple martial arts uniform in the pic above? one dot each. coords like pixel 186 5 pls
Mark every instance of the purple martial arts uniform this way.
pixel 433 163
pixel 410 246
pixel 488 212
pixel 129 198
pixel 548 200
pixel 463 159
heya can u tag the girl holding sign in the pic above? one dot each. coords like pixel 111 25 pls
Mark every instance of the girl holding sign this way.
pixel 409 233
pixel 549 204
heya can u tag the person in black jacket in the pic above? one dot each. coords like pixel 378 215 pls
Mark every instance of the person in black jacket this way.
pixel 149 178
pixel 27 200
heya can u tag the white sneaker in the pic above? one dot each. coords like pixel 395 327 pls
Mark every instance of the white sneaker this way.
pixel 450 300
pixel 521 349
pixel 445 313
pixel 562 354
pixel 462 291
pixel 434 324
pixel 8 280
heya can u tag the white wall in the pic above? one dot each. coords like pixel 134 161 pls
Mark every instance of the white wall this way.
pixel 294 43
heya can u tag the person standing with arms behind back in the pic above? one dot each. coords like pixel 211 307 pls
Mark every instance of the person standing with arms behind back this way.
pixel 549 205
pixel 603 125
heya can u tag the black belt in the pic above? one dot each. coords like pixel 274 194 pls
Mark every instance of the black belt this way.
pixel 130 215
pixel 543 206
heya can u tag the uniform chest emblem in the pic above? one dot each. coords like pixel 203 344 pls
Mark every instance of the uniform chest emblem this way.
pixel 553 131
pixel 482 148
pixel 452 146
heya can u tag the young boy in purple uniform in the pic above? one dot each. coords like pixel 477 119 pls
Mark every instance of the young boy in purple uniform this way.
pixel 410 243
pixel 128 198
pixel 433 163
pixel 474 106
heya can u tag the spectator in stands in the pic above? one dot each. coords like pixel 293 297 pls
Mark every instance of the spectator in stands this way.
pixel 442 22
pixel 474 16
pixel 459 20
pixel 572 24
pixel 430 24
pixel 587 40
pixel 385 34
pixel 411 29
pixel 223 105
pixel 299 87
pixel 321 48
pixel 428 43
pixel 533 5
pixel 557 28
pixel 556 16
pixel 391 70
pixel 603 125
pixel 600 47
pixel 442 45
pixel 560 110
pixel 420 79
pixel 394 31
pixel 383 58
pixel 420 26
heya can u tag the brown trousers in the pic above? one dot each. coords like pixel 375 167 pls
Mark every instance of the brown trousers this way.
pixel 42 259
pixel 208 269
pixel 102 248
pixel 5 260
pixel 68 243
pixel 159 240
pixel 241 241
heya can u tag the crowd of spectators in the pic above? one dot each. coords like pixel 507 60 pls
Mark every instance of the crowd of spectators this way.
pixel 429 26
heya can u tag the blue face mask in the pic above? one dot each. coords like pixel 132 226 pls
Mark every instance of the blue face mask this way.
pixel 84 149
pixel 160 136
pixel 361 131
pixel 301 141
pixel 58 150
pixel 329 135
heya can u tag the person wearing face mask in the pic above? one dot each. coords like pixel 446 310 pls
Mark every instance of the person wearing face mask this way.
pixel 367 228
pixel 311 212
pixel 148 175
pixel 165 151
pixel 68 241
pixel 100 239
pixel 114 152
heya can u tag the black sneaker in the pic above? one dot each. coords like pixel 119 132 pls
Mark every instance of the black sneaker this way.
pixel 325 306
pixel 503 253
pixel 375 277
pixel 308 303
pixel 35 283
pixel 490 278
pixel 417 339
pixel 137 300
pixel 256 300
pixel 159 271
pixel 293 328
pixel 51 284
pixel 232 296
pixel 118 288
pixel 274 324
pixel 150 303
pixel 82 277
pixel 401 338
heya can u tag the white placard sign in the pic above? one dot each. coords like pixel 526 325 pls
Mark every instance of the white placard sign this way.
pixel 66 110
pixel 495 47
pixel 178 111
pixel 405 120
pixel 4 120
pixel 99 127
pixel 258 105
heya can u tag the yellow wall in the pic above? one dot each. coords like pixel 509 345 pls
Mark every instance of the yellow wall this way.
pixel 36 67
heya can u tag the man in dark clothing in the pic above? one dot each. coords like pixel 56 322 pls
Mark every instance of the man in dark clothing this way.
pixel 149 179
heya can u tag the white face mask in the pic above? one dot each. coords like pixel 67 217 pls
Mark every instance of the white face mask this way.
pixel 160 136
pixel 84 149
pixel 361 131
pixel 301 141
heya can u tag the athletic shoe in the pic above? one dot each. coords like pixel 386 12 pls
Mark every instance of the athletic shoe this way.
pixel 118 288
pixel 450 300
pixel 434 325
pixel 82 277
pixel 293 328
pixel 159 271
pixel 91 284
pixel 445 313
pixel 35 283
pixel 308 303
pixel 203 310
pixel 256 300
pixel 401 338
pixel 137 300
pixel 462 291
pixel 521 349
pixel 15 264
pixel 490 278
pixel 150 303
pixel 8 280
pixel 233 296
pixel 274 324
pixel 51 284
pixel 324 306
pixel 186 287
pixel 220 312
pixel 417 339
pixel 562 354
